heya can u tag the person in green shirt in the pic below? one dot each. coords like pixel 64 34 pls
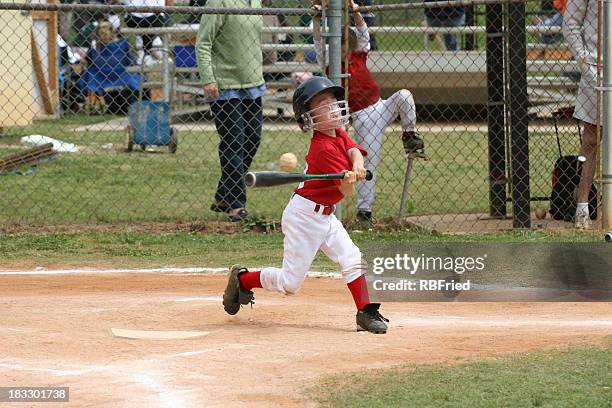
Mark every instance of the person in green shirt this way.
pixel 228 50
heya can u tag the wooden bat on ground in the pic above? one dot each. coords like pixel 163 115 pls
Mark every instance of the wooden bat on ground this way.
pixel 277 178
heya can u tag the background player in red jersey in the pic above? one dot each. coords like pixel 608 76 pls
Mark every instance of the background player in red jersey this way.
pixel 370 114
pixel 308 222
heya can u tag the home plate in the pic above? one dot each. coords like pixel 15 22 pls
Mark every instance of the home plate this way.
pixel 156 334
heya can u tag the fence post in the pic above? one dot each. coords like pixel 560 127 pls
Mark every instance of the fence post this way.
pixel 495 111
pixel 607 115
pixel 167 69
pixel 334 16
pixel 469 21
pixel 519 133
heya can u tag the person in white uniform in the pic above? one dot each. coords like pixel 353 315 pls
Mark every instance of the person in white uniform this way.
pixel 370 113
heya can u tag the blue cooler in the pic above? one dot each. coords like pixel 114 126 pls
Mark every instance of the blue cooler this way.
pixel 150 126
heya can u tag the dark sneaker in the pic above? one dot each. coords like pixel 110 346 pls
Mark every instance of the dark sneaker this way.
pixel 219 206
pixel 412 142
pixel 240 215
pixel 364 217
pixel 369 319
pixel 234 295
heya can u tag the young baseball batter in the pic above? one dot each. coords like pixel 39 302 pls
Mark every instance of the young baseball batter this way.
pixel 370 114
pixel 308 222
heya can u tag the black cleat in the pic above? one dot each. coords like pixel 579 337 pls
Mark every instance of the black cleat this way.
pixel 234 295
pixel 412 142
pixel 364 217
pixel 369 319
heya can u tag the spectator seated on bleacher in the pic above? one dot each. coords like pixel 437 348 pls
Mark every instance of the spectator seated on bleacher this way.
pixel 105 80
pixel 556 20
pixel 445 17
pixel 85 34
pixel 148 45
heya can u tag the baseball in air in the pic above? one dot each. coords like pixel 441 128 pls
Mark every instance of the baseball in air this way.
pixel 540 213
pixel 288 162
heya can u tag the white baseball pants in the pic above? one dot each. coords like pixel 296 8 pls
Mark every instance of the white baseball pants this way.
pixel 370 124
pixel 305 233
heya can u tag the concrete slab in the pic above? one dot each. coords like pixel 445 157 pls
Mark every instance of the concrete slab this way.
pixel 479 223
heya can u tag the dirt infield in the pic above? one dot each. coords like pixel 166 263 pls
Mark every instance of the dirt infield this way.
pixel 56 332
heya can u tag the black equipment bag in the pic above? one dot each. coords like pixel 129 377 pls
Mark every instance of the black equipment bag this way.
pixel 565 179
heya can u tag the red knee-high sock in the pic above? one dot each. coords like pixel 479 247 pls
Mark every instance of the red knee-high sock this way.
pixel 359 290
pixel 250 280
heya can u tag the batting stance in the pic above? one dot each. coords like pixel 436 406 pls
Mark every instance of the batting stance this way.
pixel 371 115
pixel 308 221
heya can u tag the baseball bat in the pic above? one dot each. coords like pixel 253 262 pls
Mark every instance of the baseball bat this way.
pixel 277 178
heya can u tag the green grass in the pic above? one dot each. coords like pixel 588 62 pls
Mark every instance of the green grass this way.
pixel 181 248
pixel 107 186
pixel 134 249
pixel 576 377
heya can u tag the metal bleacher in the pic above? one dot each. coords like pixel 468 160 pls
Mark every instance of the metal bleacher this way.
pixel 434 77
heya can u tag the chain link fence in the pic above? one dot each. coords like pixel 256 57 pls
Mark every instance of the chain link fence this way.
pixel 156 112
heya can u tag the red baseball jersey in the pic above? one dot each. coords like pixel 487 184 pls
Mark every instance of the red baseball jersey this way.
pixel 363 88
pixel 364 91
pixel 327 154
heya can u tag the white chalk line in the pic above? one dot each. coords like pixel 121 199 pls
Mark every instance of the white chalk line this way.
pixel 167 270
pixel 169 397
pixel 43 272
pixel 198 352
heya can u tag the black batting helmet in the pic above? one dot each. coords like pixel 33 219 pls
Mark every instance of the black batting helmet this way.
pixel 308 90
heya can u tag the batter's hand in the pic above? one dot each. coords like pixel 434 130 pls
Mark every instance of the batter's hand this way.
pixel 360 171
pixel 211 90
pixel 350 177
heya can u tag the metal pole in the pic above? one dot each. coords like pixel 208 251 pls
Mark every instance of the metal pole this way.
pixel 495 111
pixel 519 136
pixel 607 115
pixel 467 30
pixel 405 190
pixel 167 74
pixel 469 21
pixel 120 9
pixel 334 16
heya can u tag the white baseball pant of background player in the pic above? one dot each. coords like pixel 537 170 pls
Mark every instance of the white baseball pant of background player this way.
pixel 305 233
pixel 370 123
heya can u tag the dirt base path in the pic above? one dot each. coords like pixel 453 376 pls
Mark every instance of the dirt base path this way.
pixel 55 331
